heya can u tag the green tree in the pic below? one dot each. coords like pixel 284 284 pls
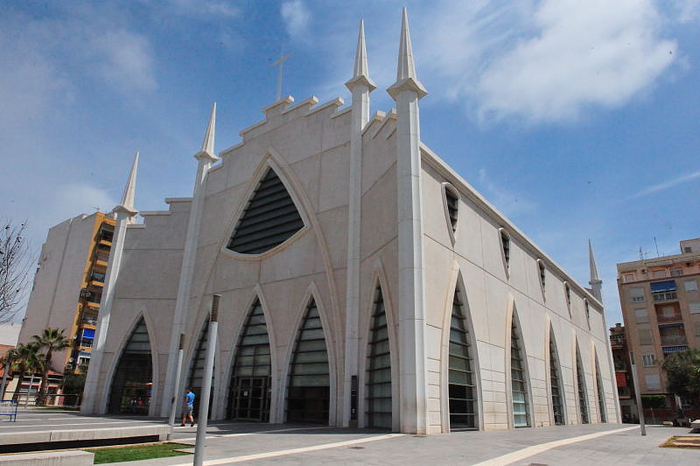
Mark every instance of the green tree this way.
pixel 683 372
pixel 27 360
pixel 51 339
pixel 73 384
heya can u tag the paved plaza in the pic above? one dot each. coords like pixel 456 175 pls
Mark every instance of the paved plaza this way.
pixel 231 443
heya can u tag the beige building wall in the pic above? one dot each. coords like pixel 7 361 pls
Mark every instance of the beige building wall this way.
pixel 660 323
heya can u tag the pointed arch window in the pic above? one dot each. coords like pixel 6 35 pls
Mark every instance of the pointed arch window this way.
pixel 521 409
pixel 601 392
pixel 378 398
pixel 581 383
pixel 250 378
pixel 269 219
pixel 543 274
pixel 451 196
pixel 588 312
pixel 555 381
pixel 462 389
pixel 308 393
pixel 505 247
pixel 567 294
pixel 132 381
pixel 195 379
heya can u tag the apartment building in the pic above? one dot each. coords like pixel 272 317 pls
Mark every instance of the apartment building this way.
pixel 660 301
pixel 68 286
pixel 623 373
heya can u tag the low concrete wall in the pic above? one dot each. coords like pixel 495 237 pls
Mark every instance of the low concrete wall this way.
pixel 54 458
pixel 47 436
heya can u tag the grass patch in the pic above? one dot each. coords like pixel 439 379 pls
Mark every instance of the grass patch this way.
pixel 682 442
pixel 137 452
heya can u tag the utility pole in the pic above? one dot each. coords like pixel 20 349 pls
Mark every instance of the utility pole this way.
pixel 176 393
pixel 200 443
pixel 638 396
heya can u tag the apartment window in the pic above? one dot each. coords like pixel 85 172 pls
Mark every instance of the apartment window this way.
pixel 645 336
pixel 658 273
pixel 269 219
pixel 641 315
pixel 452 204
pixel 653 381
pixel 628 277
pixel 543 272
pixel 694 308
pixel 505 245
pixel 688 249
pixel 676 272
pixel 637 294
pixel 663 291
pixel 690 285
pixel 648 360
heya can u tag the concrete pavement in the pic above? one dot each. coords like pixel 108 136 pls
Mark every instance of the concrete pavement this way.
pixel 232 443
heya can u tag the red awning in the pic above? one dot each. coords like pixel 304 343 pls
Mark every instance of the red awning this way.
pixel 621 378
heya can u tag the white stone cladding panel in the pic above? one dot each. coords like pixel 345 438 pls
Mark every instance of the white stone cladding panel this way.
pixel 148 273
pixel 438 298
pixel 334 224
pixel 379 225
pixel 332 183
pixel 218 210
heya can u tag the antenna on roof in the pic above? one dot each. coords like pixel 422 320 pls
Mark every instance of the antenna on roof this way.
pixel 283 58
pixel 641 254
pixel 657 247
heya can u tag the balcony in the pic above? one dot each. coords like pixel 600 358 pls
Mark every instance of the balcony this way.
pixel 89 321
pixel 667 296
pixel 93 305
pixel 673 340
pixel 666 318
pixel 85 343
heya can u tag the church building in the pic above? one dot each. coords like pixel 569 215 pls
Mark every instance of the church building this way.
pixel 362 282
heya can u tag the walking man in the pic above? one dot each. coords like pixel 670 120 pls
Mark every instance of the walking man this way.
pixel 188 409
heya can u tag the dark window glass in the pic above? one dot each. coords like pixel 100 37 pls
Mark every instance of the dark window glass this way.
pixel 308 394
pixel 249 398
pixel 131 384
pixel 555 381
pixel 378 396
pixel 462 390
pixel 582 397
pixel 269 219
pixel 521 414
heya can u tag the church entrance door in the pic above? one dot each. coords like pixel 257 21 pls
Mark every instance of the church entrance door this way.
pixel 251 399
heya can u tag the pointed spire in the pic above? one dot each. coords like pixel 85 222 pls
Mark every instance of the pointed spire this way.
pixel 592 264
pixel 406 78
pixel 127 203
pixel 207 150
pixel 360 73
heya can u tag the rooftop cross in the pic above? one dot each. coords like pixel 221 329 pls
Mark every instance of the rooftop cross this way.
pixel 283 58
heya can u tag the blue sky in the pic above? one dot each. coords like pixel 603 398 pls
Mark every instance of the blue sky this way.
pixel 577 119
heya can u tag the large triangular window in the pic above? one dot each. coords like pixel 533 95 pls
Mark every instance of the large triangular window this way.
pixel 196 373
pixel 269 219
pixel 462 388
pixel 308 395
pixel 601 392
pixel 521 409
pixel 555 381
pixel 250 380
pixel 378 395
pixel 581 384
pixel 132 382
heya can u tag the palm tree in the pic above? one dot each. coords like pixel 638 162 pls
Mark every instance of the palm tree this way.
pixel 52 339
pixel 27 360
pixel 8 361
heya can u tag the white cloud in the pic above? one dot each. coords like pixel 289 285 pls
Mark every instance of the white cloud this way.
pixel 593 53
pixel 124 59
pixel 666 184
pixel 71 199
pixel 296 18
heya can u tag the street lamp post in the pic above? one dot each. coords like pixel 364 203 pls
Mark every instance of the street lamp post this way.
pixel 200 443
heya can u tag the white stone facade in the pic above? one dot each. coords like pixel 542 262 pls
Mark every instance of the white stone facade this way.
pixel 386 226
